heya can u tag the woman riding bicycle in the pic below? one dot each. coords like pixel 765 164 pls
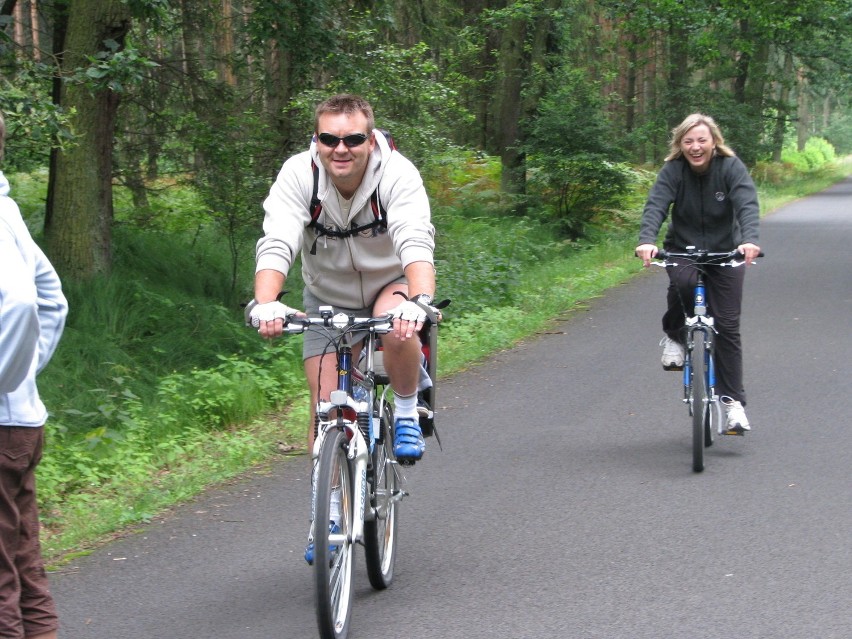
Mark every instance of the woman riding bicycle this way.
pixel 714 207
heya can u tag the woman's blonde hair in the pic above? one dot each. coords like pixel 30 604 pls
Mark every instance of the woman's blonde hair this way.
pixel 690 122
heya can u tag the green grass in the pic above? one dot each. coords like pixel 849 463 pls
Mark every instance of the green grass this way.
pixel 158 391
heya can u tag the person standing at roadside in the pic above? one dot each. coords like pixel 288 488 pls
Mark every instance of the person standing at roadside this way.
pixel 714 207
pixel 32 317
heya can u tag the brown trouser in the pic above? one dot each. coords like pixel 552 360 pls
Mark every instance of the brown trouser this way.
pixel 26 605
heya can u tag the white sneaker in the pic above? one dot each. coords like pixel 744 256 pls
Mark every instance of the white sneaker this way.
pixel 672 354
pixel 736 421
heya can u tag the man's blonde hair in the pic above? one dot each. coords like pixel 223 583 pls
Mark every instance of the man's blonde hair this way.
pixel 347 104
pixel 690 122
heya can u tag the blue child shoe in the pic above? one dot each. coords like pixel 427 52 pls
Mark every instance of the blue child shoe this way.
pixel 408 444
pixel 309 551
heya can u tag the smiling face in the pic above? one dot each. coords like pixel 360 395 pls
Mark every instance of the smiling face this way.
pixel 345 165
pixel 697 146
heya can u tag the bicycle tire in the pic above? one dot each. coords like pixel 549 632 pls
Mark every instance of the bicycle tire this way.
pixel 380 533
pixel 333 558
pixel 699 400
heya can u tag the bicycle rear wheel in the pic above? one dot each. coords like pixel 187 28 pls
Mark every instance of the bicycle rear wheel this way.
pixel 333 551
pixel 380 531
pixel 700 403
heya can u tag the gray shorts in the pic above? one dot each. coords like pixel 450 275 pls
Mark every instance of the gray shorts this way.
pixel 315 342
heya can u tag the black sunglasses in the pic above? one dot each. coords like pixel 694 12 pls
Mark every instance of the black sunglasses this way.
pixel 354 139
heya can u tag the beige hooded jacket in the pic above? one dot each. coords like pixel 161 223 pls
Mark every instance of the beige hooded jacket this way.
pixel 348 272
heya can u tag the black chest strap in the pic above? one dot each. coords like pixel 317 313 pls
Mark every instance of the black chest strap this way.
pixel 380 214
pixel 379 223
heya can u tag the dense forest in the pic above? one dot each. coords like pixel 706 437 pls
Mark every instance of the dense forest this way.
pixel 215 93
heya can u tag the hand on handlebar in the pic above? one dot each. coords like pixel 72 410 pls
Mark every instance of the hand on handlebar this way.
pixel 749 251
pixel 408 318
pixel 269 318
pixel 646 252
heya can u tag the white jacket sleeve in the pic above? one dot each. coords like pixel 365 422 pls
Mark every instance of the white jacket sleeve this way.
pixel 19 319
pixel 52 308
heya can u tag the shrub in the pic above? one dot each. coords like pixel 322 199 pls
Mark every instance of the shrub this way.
pixel 817 153
pixel 580 187
pixel 772 173
pixel 821 147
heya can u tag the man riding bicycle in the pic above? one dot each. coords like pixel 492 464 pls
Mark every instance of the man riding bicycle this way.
pixel 328 199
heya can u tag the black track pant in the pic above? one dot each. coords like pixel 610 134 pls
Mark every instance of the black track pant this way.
pixel 724 288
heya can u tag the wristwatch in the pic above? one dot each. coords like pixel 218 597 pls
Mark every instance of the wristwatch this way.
pixel 424 299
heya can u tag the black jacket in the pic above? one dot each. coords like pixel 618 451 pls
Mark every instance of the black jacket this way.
pixel 715 211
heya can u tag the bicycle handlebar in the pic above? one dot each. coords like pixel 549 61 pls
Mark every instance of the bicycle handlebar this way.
pixel 701 258
pixel 340 321
pixel 296 324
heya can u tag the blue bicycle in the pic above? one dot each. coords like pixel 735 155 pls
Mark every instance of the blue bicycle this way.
pixel 699 371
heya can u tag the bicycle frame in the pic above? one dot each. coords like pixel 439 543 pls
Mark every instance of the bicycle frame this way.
pixel 337 412
pixel 699 322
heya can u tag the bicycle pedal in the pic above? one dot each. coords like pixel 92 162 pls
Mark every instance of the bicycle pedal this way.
pixel 673 368
pixel 736 432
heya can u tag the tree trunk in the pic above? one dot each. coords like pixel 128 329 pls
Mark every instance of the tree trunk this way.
pixel 783 111
pixel 225 45
pixel 508 100
pixel 803 122
pixel 677 86
pixel 78 226
pixel 35 30
pixel 279 91
pixel 742 65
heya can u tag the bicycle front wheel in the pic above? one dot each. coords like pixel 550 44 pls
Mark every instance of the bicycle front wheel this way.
pixel 700 403
pixel 333 551
pixel 380 531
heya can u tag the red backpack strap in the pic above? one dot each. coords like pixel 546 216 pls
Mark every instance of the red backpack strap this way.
pixel 380 213
pixel 389 138
pixel 315 207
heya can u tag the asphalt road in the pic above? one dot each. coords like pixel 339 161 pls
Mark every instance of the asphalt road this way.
pixel 563 503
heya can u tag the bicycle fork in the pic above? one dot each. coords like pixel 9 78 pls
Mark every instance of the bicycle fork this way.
pixel 358 458
pixel 704 327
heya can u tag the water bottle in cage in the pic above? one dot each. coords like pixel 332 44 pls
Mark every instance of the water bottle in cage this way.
pixel 359 393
